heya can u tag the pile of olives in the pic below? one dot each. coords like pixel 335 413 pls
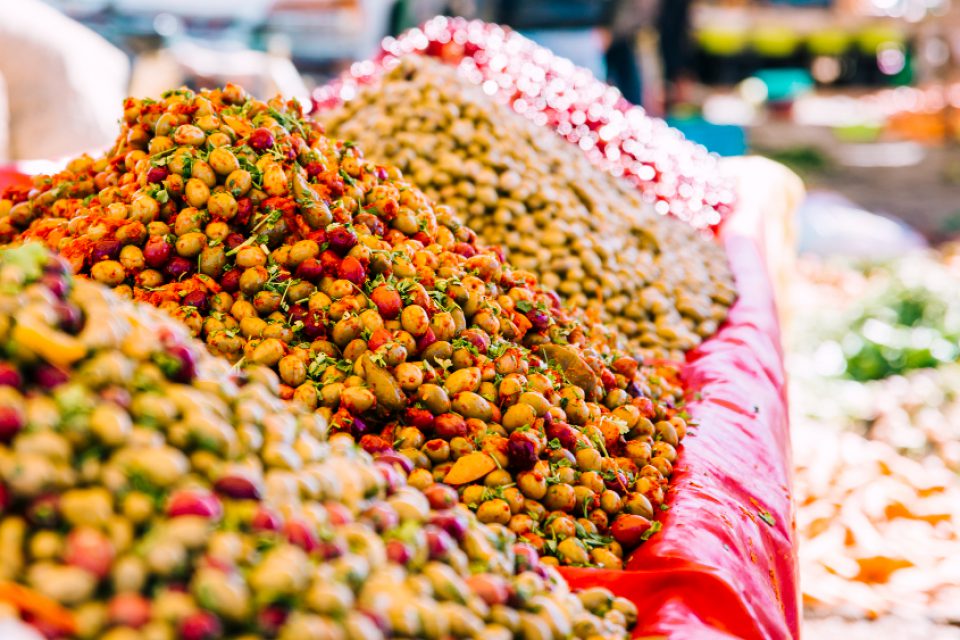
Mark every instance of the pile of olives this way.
pixel 149 491
pixel 588 235
pixel 376 308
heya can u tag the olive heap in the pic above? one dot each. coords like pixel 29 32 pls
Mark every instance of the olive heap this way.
pixel 284 248
pixel 586 234
pixel 148 491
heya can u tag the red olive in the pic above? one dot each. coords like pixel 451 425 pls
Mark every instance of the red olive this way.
pixel 441 496
pixel 301 534
pixel 260 139
pixel 89 549
pixel 12 421
pixel 10 376
pixel 450 425
pixel 128 610
pixel 194 502
pixel 156 252
pixel 237 487
pixel 271 619
pixel 157 175
pixel 351 270
pixel 200 625
pixel 399 552
pixel 439 542
pixel 266 520
pixel 628 530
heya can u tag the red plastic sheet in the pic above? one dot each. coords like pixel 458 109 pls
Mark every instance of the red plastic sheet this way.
pixel 724 564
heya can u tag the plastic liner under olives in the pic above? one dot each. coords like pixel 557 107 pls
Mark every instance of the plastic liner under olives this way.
pixel 284 248
pixel 586 234
pixel 146 491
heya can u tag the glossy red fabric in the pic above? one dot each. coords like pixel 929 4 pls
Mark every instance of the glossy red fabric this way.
pixel 10 176
pixel 724 564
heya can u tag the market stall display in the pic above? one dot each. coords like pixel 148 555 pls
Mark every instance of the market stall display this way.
pixel 149 490
pixel 586 233
pixel 284 248
pixel 877 512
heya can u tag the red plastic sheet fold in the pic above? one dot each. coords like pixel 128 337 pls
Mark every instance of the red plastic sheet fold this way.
pixel 724 564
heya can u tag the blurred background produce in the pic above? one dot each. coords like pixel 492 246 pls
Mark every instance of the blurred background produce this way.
pixel 149 488
pixel 875 415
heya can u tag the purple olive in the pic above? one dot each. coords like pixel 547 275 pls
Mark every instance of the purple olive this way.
pixel 184 357
pixel 358 427
pixel 178 267
pixel 296 313
pixel 266 520
pixel 332 549
pixel 194 502
pixel 439 542
pixel 539 319
pixel 373 223
pixel 299 533
pixel 379 619
pixel 156 252
pixel 382 516
pixel 453 523
pixel 237 487
pixel 71 318
pixel 392 475
pixel 477 338
pixel 313 325
pixel 341 239
pixel 49 376
pixel 563 432
pixel 310 270
pixel 260 139
pixel 398 552
pixel 526 557
pixel 232 241
pixel 117 395
pixel 201 625
pixel 44 511
pixel 230 281
pixel 9 376
pixel 12 421
pixel 616 482
pixel 196 299
pixel 271 619
pixel 56 266
pixel 107 249
pixel 157 175
pixel 396 459
pixel 56 283
pixel 522 453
